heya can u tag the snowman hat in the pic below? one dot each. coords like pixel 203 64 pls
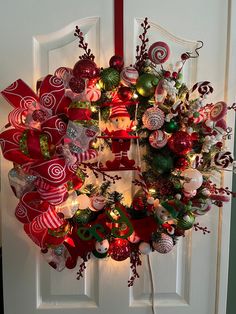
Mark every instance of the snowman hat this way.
pixel 119 110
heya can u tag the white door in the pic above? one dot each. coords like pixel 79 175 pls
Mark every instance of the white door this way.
pixel 36 38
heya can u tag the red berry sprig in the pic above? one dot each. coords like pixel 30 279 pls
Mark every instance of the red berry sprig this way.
pixel 82 44
pixel 141 50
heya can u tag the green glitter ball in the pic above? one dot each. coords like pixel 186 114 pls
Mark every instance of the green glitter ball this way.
pixel 83 216
pixel 186 221
pixel 146 84
pixel 110 78
pixel 162 164
pixel 171 127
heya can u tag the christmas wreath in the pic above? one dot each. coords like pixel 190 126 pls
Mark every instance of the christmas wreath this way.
pixel 59 138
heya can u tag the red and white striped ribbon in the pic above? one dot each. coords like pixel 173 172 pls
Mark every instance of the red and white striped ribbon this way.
pixel 49 219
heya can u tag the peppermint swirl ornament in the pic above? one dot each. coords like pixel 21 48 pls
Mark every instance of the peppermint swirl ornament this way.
pixel 92 93
pixel 218 111
pixel 223 159
pixel 129 76
pixel 162 243
pixel 158 139
pixel 159 52
pixel 201 207
pixel 153 118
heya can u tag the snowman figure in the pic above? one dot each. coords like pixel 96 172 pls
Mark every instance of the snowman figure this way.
pixel 102 247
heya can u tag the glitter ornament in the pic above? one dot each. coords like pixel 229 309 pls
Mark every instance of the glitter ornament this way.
pixel 162 243
pixel 158 139
pixel 162 164
pixel 181 163
pixel 129 76
pixel 153 118
pixel 119 249
pixel 180 143
pixel 77 85
pixel 186 221
pixel 110 78
pixel 146 84
pixel 124 93
pixel 83 216
pixel 86 69
pixel 116 62
pixel 159 52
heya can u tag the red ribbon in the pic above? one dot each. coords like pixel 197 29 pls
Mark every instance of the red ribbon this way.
pixel 119 27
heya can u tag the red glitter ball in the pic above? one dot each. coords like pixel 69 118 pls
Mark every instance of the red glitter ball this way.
pixel 85 68
pixel 117 62
pixel 124 93
pixel 180 143
pixel 119 249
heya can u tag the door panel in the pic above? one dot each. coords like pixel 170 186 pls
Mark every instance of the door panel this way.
pixel 187 280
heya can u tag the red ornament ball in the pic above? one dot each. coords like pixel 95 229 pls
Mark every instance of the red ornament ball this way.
pixel 86 69
pixel 182 163
pixel 124 93
pixel 116 62
pixel 77 85
pixel 119 249
pixel 180 143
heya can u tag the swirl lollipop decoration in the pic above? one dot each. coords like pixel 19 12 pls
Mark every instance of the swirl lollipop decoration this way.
pixel 159 52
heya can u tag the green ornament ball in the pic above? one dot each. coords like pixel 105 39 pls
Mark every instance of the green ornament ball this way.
pixel 146 84
pixel 83 216
pixel 162 164
pixel 171 127
pixel 109 79
pixel 186 221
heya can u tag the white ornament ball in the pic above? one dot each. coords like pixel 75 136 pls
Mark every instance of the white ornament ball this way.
pixel 102 247
pixel 193 179
pixel 145 248
pixel 190 194
pixel 83 201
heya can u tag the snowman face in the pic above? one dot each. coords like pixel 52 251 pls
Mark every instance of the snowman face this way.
pixel 120 123
pixel 102 247
pixel 163 214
